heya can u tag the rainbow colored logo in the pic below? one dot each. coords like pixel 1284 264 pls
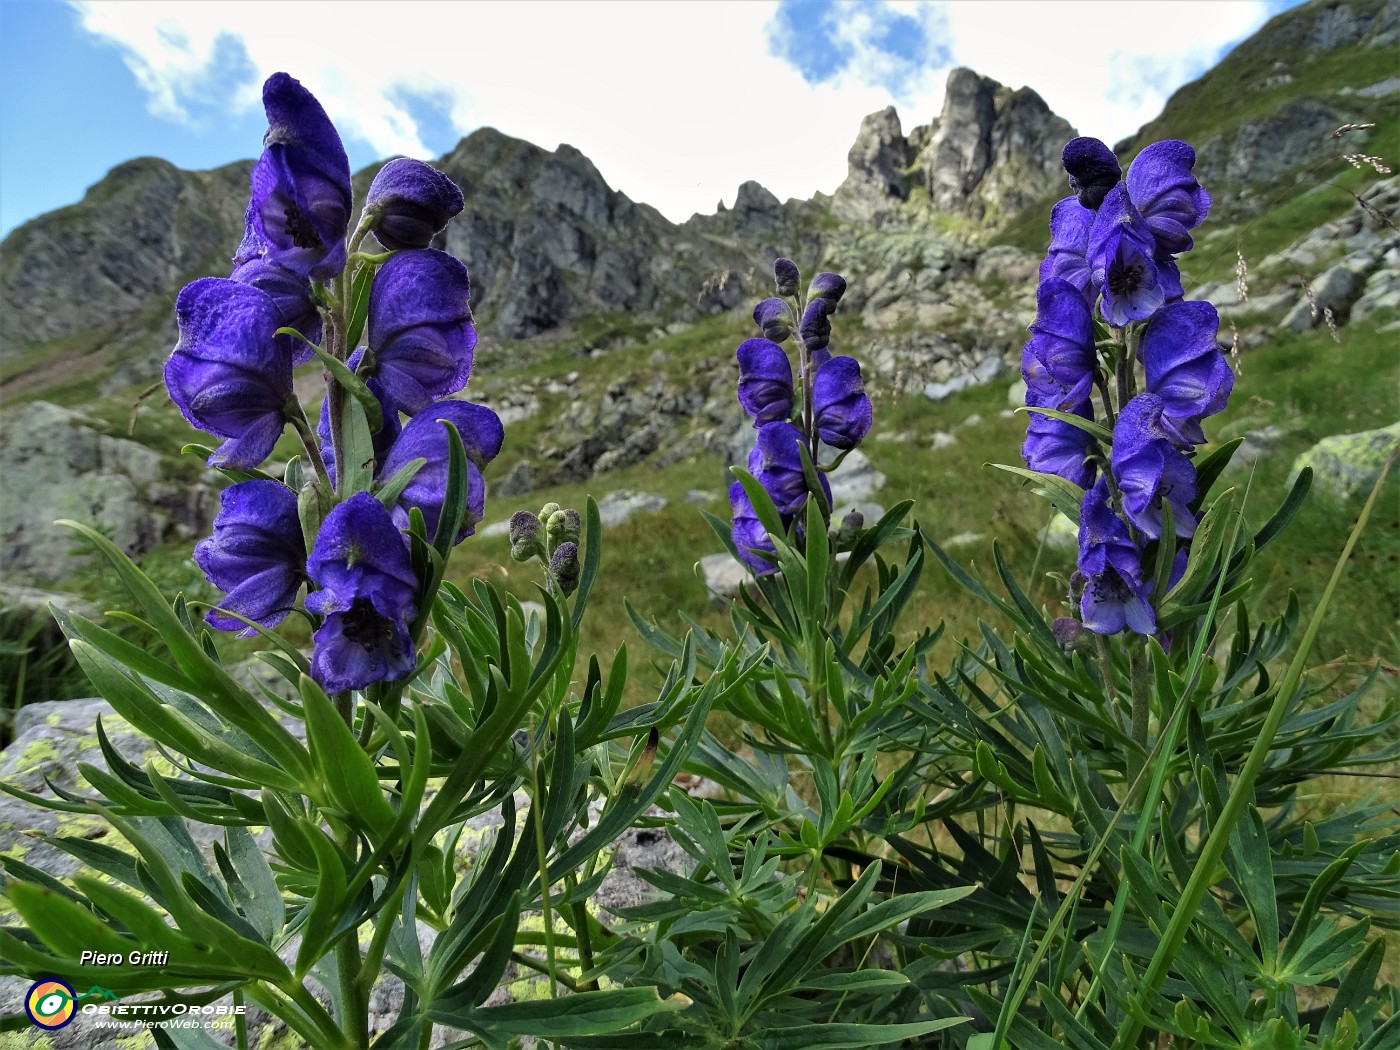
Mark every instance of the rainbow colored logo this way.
pixel 50 1003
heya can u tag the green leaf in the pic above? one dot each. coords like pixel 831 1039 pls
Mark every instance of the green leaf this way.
pixel 356 473
pixel 592 559
pixel 840 1036
pixel 359 303
pixel 585 1013
pixel 349 773
pixel 391 490
pixel 204 452
pixel 1250 863
pixel 353 385
pixel 1064 496
pixel 454 505
pixel 1211 466
pixel 1100 433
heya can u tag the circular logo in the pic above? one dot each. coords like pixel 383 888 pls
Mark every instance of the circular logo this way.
pixel 49 1003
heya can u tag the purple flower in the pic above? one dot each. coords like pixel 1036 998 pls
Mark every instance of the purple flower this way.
pixel 828 286
pixel 776 463
pixel 256 555
pixel 1185 367
pixel 1150 468
pixel 1093 170
pixel 1059 361
pixel 765 380
pixel 382 441
pixel 816 328
pixel 774 317
pixel 291 293
pixel 748 533
pixel 1165 191
pixel 1114 594
pixel 228 374
pixel 367 589
pixel 301 185
pixel 786 276
pixel 1070 223
pixel 842 409
pixel 1121 261
pixel 425 437
pixel 412 202
pixel 1053 446
pixel 420 327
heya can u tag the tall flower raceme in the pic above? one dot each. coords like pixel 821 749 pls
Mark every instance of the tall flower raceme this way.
pixel 806 417
pixel 338 523
pixel 1111 325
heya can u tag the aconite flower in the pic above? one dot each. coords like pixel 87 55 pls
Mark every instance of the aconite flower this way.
pixel 828 286
pixel 1059 360
pixel 750 537
pixel 1185 367
pixel 300 208
pixel 765 380
pixel 1114 594
pixel 1093 170
pixel 1151 470
pixel 228 374
pixel 774 317
pixel 420 327
pixel 424 437
pixel 816 327
pixel 776 463
pixel 786 276
pixel 411 202
pixel 842 412
pixel 1121 258
pixel 291 294
pixel 256 555
pixel 1160 186
pixel 361 565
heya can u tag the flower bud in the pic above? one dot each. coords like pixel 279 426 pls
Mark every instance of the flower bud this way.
pixel 547 510
pixel 411 202
pixel 525 539
pixel 573 525
pixel 844 537
pixel 1077 583
pixel 787 275
pixel 1071 635
pixel 816 329
pixel 564 567
pixel 828 286
pixel 1093 170
pixel 774 317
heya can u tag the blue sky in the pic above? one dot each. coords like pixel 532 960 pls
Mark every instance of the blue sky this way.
pixel 677 103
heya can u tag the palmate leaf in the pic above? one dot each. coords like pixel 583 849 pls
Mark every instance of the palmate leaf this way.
pixel 838 1036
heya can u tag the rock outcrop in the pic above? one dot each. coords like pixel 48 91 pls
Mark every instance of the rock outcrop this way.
pixel 990 152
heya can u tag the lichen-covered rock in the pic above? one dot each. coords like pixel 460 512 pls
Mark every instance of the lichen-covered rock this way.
pixel 65 468
pixel 1346 464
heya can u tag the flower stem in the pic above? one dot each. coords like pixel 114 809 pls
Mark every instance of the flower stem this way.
pixel 1138 667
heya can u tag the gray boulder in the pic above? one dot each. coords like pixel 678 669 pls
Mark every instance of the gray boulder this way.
pixel 877 163
pixel 65 468
pixel 1348 464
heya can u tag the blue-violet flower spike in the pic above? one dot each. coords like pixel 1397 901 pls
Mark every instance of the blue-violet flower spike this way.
pixel 776 463
pixel 1164 189
pixel 256 555
pixel 411 202
pixel 420 327
pixel 228 374
pixel 361 563
pixel 300 208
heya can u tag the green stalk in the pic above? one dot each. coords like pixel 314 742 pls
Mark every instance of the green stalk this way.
pixel 1137 673
pixel 1203 874
pixel 538 805
pixel 585 941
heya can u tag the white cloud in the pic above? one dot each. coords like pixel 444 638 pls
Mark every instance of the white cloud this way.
pixel 676 103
